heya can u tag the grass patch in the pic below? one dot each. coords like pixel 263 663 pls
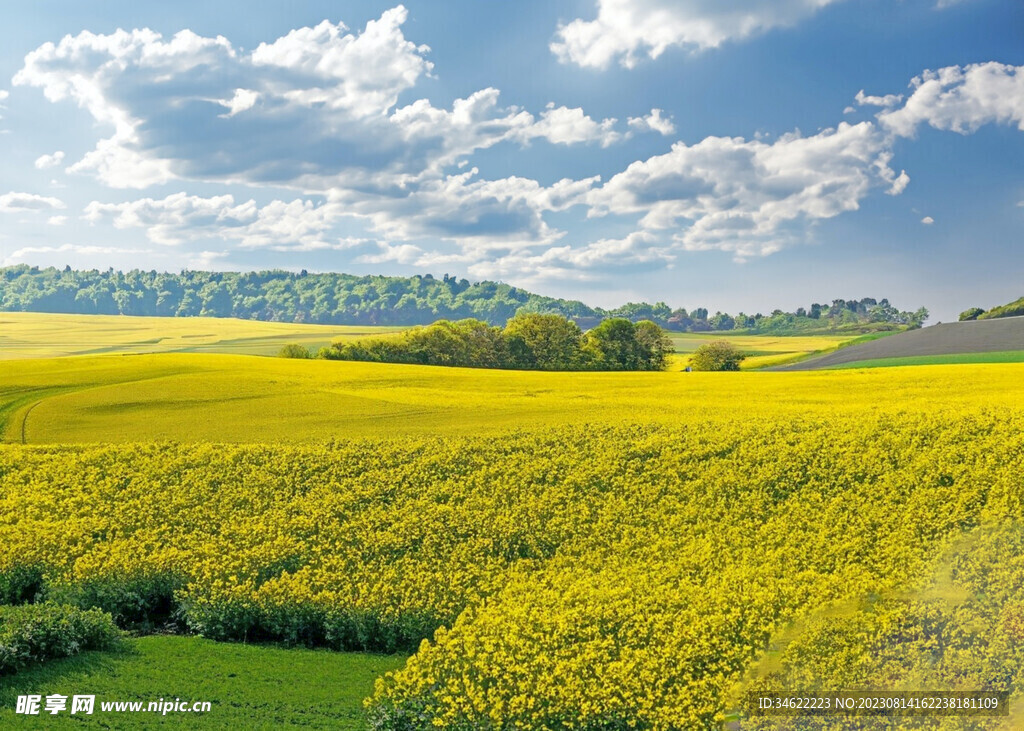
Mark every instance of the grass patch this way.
pixel 249 686
pixel 1002 356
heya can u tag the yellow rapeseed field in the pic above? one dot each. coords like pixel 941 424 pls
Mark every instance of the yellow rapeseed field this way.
pixel 560 551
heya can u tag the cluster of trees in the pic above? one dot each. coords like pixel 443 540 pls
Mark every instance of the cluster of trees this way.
pixel 1012 309
pixel 529 341
pixel 345 299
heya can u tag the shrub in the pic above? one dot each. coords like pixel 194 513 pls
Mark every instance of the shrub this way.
pixel 971 314
pixel 294 350
pixel 718 356
pixel 36 632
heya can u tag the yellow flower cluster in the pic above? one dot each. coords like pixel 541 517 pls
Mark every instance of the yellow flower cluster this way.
pixel 580 577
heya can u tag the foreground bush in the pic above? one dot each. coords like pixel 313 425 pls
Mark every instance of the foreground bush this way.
pixel 35 632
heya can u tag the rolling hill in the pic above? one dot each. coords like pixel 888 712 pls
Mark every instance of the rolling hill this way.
pixel 997 340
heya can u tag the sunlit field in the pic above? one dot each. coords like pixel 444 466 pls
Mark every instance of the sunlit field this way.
pixel 45 335
pixel 626 550
pixel 223 398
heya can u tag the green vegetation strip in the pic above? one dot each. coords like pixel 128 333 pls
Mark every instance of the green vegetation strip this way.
pixel 248 686
pixel 1004 356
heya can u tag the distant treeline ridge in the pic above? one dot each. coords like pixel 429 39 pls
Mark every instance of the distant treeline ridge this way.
pixel 345 299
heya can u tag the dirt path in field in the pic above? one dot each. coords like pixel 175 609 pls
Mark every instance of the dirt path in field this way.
pixel 982 336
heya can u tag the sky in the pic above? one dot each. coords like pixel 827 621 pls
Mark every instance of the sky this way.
pixel 730 154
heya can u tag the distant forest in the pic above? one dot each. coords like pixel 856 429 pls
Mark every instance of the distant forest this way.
pixel 345 299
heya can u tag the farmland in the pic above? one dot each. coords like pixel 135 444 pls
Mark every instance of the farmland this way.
pixel 659 542
pixel 223 398
pixel 44 335
pixel 643 537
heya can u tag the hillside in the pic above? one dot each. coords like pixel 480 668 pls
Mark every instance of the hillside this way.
pixel 997 336
pixel 1011 309
pixel 345 299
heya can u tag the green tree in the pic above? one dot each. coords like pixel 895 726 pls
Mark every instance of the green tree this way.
pixel 971 314
pixel 655 345
pixel 544 342
pixel 613 346
pixel 720 355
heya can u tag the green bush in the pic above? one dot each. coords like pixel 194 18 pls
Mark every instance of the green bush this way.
pixel 717 356
pixel 294 350
pixel 971 314
pixel 35 632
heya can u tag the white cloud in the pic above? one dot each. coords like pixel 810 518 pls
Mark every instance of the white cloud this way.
pixel 279 225
pixel 20 202
pixel 561 125
pixel 889 100
pixel 961 99
pixel 627 30
pixel 49 161
pixel 32 252
pixel 242 100
pixel 653 122
pixel 4 94
pixel 750 197
pixel 313 110
pixel 849 110
pixel 57 220
pixel 927 220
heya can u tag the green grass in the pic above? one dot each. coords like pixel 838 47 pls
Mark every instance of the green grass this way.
pixel 1002 356
pixel 249 686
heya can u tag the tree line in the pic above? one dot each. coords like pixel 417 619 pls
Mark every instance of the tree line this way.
pixel 529 341
pixel 345 299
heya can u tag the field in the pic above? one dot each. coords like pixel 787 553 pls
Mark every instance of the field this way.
pixel 761 350
pixel 1007 356
pixel 522 550
pixel 223 398
pixel 44 335
pixel 250 686
pixel 983 341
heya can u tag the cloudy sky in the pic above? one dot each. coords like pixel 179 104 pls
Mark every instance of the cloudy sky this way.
pixel 734 154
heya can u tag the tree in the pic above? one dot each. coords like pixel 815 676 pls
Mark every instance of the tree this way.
pixel 655 345
pixel 613 345
pixel 544 342
pixel 720 355
pixel 971 314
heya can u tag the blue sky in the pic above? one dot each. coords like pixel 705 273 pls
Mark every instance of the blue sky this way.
pixel 735 155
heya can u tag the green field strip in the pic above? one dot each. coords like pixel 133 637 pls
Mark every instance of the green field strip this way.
pixel 1000 356
pixel 248 686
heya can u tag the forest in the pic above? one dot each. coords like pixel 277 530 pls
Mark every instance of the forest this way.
pixel 346 299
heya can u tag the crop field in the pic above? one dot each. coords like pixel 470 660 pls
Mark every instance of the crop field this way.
pixel 223 398
pixel 761 350
pixel 45 335
pixel 656 543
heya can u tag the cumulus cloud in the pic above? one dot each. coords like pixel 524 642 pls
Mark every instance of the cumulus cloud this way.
pixel 561 125
pixel 32 252
pixel 49 161
pixel 57 220
pixel 314 109
pixel 747 196
pixel 889 100
pixel 927 220
pixel 279 225
pixel 4 94
pixel 628 30
pixel 961 99
pixel 28 202
pixel 653 122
